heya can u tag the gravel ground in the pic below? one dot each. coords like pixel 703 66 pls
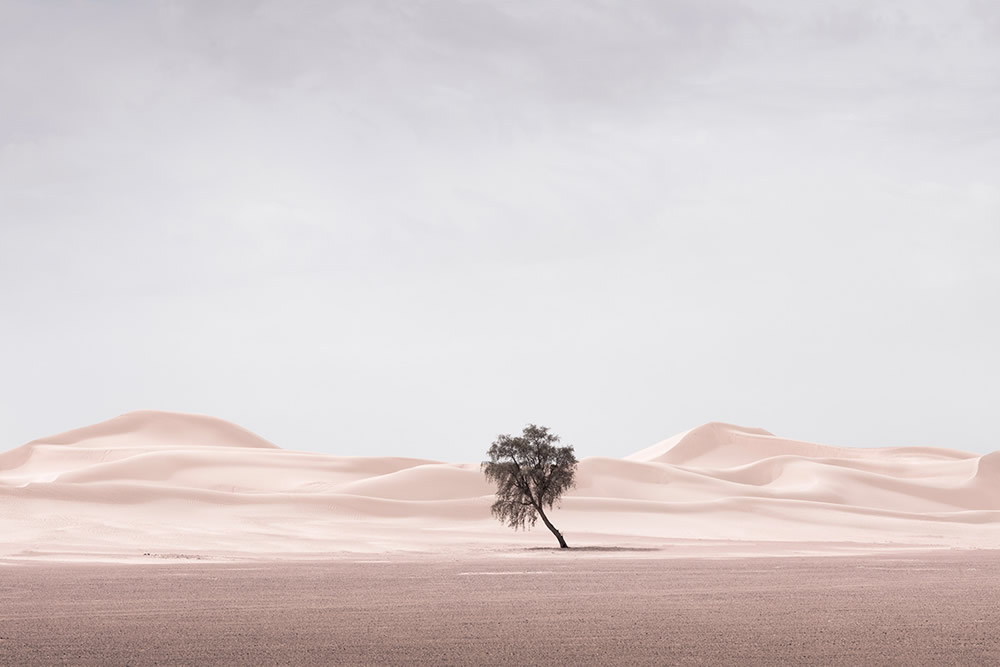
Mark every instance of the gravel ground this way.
pixel 935 608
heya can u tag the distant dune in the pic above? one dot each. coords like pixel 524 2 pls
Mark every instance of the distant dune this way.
pixel 158 482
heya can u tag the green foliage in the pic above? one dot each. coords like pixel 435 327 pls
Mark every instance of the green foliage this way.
pixel 531 473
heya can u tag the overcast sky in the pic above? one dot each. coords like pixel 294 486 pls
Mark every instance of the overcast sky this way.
pixel 401 228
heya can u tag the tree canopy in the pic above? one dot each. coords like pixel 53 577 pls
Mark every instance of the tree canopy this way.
pixel 531 473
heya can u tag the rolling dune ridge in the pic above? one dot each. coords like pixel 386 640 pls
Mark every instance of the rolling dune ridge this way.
pixel 156 482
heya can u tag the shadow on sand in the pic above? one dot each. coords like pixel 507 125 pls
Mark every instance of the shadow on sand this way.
pixel 593 549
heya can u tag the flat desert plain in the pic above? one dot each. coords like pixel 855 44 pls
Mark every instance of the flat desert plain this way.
pixel 513 608
pixel 165 538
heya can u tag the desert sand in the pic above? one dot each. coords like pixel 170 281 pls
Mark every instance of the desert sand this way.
pixel 551 608
pixel 154 484
pixel 164 538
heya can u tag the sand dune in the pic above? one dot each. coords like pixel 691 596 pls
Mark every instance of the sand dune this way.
pixel 717 445
pixel 155 481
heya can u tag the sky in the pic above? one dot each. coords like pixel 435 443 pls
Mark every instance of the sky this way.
pixel 378 227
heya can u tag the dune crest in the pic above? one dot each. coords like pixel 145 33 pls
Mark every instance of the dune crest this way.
pixel 148 480
pixel 720 445
pixel 706 442
pixel 158 428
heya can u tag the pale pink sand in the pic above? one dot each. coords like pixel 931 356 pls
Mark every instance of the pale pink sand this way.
pixel 168 483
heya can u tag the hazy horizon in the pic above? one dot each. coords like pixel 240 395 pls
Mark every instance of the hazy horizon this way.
pixel 401 229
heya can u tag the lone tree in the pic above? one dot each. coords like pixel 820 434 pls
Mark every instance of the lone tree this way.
pixel 531 473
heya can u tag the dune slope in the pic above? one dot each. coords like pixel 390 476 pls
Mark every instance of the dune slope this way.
pixel 167 482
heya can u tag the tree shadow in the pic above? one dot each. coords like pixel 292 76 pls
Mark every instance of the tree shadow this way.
pixel 586 548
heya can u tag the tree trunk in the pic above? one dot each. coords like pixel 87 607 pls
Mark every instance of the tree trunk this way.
pixel 548 524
